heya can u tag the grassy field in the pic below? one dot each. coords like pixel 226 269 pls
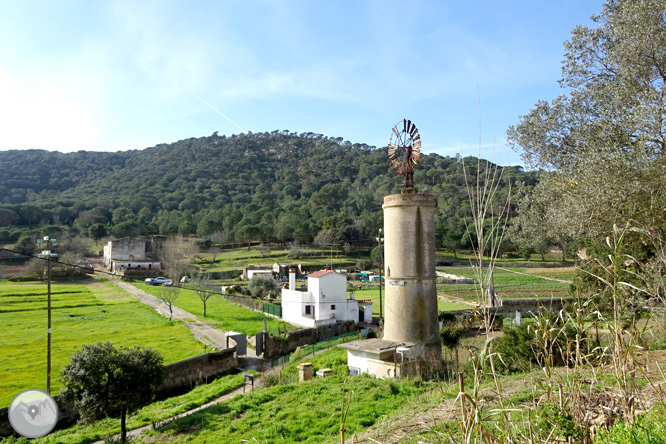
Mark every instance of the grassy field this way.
pixel 372 293
pixel 513 282
pixel 82 313
pixel 308 412
pixel 237 258
pixel 152 413
pixel 221 313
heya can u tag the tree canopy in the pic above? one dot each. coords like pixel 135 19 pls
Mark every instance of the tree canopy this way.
pixel 102 379
pixel 270 187
pixel 601 144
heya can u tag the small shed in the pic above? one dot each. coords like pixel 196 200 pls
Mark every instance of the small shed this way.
pixel 377 357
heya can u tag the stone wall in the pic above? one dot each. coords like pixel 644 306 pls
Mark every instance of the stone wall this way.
pixel 527 307
pixel 183 376
pixel 180 377
pixel 275 347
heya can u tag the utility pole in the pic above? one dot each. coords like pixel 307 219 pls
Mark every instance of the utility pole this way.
pixel 48 254
pixel 380 239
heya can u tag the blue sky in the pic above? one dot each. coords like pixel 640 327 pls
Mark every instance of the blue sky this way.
pixel 117 75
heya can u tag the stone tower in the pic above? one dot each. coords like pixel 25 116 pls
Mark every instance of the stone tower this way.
pixel 411 292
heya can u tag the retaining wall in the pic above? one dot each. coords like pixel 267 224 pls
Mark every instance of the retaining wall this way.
pixel 279 346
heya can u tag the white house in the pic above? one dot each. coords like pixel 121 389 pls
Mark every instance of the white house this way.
pixel 253 270
pixel 323 303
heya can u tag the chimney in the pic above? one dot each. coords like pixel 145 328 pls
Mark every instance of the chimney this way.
pixel 292 279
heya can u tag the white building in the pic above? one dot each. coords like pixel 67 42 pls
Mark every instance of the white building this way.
pixel 323 303
pixel 250 271
pixel 378 357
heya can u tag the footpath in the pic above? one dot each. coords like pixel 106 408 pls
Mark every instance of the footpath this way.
pixel 202 331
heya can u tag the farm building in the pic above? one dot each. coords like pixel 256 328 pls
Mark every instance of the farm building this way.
pixel 131 254
pixel 252 270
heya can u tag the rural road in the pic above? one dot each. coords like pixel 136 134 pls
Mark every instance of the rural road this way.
pixel 202 331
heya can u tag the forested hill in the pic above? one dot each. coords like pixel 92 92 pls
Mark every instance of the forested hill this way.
pixel 276 186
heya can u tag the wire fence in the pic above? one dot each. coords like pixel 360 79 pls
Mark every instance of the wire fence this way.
pixel 273 309
pixel 308 350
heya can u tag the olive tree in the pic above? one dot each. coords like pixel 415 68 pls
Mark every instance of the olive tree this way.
pixel 601 144
pixel 102 379
pixel 262 285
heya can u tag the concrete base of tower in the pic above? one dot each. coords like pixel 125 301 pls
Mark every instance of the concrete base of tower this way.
pixel 408 300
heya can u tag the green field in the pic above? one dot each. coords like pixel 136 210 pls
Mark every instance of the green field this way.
pixel 221 313
pixel 157 411
pixel 236 259
pixel 372 293
pixel 82 313
pixel 307 412
pixel 510 284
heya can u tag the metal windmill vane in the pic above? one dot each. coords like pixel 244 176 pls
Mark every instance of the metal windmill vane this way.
pixel 404 150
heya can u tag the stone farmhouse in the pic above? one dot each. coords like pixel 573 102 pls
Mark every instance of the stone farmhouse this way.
pixel 131 254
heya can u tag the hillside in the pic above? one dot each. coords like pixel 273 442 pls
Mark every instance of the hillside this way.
pixel 275 187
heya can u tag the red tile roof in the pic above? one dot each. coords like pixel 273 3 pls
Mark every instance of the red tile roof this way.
pixel 320 273
pixel 364 301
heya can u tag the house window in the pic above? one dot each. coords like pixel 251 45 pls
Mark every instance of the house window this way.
pixel 307 310
pixel 332 307
pixel 353 371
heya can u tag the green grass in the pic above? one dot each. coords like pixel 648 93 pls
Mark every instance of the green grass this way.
pixel 237 258
pixel 221 313
pixel 372 293
pixel 308 412
pixel 648 429
pixel 510 285
pixel 82 313
pixel 152 413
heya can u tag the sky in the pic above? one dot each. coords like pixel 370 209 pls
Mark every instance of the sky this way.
pixel 119 75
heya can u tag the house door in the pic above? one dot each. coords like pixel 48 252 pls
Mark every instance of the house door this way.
pixel 361 314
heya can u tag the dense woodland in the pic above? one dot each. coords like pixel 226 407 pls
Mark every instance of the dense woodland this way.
pixel 269 187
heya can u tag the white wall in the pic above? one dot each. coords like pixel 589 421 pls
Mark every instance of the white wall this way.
pixel 330 289
pixel 293 307
pixel 323 292
pixel 357 359
pixel 251 273
pixel 107 254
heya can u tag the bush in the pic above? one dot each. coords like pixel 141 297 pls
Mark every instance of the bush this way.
pixel 363 264
pixel 450 336
pixel 262 285
pixel 519 347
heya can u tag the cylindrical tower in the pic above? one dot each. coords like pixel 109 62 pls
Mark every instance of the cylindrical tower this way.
pixel 411 292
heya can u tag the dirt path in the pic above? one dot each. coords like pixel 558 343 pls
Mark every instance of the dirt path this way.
pixel 202 331
pixel 535 275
